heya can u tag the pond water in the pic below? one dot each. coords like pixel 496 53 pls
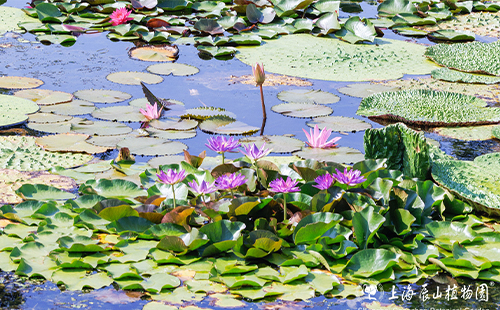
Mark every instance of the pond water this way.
pixel 86 64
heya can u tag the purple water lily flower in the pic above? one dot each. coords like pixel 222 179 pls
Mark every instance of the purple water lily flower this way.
pixel 254 153
pixel 282 186
pixel 324 181
pixel 203 188
pixel 230 181
pixel 351 177
pixel 221 144
pixel 172 176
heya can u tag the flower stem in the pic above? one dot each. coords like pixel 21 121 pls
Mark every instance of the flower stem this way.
pixel 263 105
pixel 232 193
pixel 173 193
pixel 284 207
pixel 223 158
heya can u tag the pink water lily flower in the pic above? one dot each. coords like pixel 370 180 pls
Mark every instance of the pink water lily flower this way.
pixel 317 139
pixel 172 176
pixel 351 177
pixel 324 181
pixel 120 16
pixel 254 153
pixel 151 112
pixel 258 73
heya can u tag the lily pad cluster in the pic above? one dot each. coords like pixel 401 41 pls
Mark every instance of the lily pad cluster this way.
pixel 386 229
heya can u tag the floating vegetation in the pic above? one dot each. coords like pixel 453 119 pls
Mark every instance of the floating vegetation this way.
pixel 134 78
pixel 363 90
pixel 302 110
pixel 449 75
pixel 471 133
pixel 307 96
pixel 474 57
pixel 44 96
pixel 19 82
pixel 15 110
pixel 102 95
pixel 271 80
pixel 226 125
pixel 69 142
pixel 480 23
pixel 427 107
pixel 339 123
pixel 278 144
pixel 328 59
pixel 176 69
pixel 345 155
pixel 155 52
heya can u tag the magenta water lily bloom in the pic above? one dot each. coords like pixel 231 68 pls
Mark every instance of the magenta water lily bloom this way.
pixel 172 176
pixel 230 181
pixel 203 188
pixel 282 186
pixel 221 144
pixel 120 16
pixel 324 181
pixel 254 153
pixel 151 112
pixel 317 139
pixel 351 177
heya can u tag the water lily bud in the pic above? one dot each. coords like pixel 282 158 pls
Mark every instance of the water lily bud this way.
pixel 258 73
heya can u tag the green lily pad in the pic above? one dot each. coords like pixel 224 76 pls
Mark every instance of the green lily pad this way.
pixel 112 141
pixel 390 8
pixel 411 19
pixel 44 96
pixel 364 90
pixel 120 113
pixel 42 118
pixel 452 35
pixel 154 53
pixel 471 133
pixel 15 110
pixel 226 125
pixel 339 123
pixel 100 128
pixel 69 143
pixel 409 31
pixel 63 39
pixel 496 132
pixel 446 74
pixel 176 69
pixel 113 188
pixel 278 144
pixel 336 60
pixel 357 30
pixel 181 124
pixel 102 95
pixel 10 17
pixel 23 154
pixel 480 23
pixel 134 78
pixel 308 96
pixel 19 82
pixel 171 134
pixel 370 262
pixel 474 57
pixel 152 146
pixel 74 107
pixel 302 110
pixel 43 192
pixel 202 113
pixel 339 155
pixel 429 107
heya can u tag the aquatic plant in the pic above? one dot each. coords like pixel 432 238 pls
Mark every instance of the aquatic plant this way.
pixel 120 16
pixel 351 177
pixel 324 181
pixel 282 186
pixel 203 187
pixel 317 139
pixel 260 76
pixel 151 112
pixel 221 144
pixel 254 153
pixel 172 177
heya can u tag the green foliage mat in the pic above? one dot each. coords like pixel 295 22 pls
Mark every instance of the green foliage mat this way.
pixel 473 57
pixel 330 59
pixel 431 108
pixel 21 153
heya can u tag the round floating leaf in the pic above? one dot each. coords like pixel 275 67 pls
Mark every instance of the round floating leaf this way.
pixel 410 31
pixel 226 125
pixel 44 96
pixel 471 133
pixel 112 141
pixel 114 188
pixel 69 142
pixel 336 60
pixel 356 30
pixel 143 102
pixel 429 107
pixel 209 26
pixel 152 146
pixel 154 53
pixel 43 192
pixel 175 69
pixel 63 39
pixel 475 57
pixel 446 74
pixel 302 110
pixel 23 154
pixel 364 90
pixel 165 160
pixel 308 96
pixel 10 17
pixel 344 155
pixel 134 78
pixel 202 113
pixel 13 179
pixel 339 123
pixel 102 95
pixel 14 110
pixel 480 23
pixel 60 127
pixel 100 128
pixel 182 124
pixel 390 8
pixel 452 35
pixel 74 107
pixel 172 134
pixel 48 118
pixel 278 144
pixel 120 113
pixel 369 262
pixel 496 132
pixel 19 82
